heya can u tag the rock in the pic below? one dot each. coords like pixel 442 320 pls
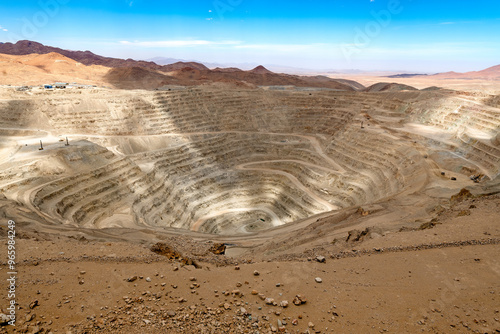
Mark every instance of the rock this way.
pixel 295 322
pixel 274 329
pixel 269 301
pixel 310 325
pixel 30 317
pixel 181 300
pixel 81 282
pixel 192 279
pixel 261 296
pixel 148 279
pixel 299 300
pixel 146 321
pixel 131 279
pixel 255 292
pixel 243 311
pixel 256 273
pixel 171 313
pixel 218 249
pixel 238 285
pixel 284 303
pixel 320 259
pixel 4 318
pixel 236 292
pixel 83 272
pixel 227 306
pixel 237 268
pixel 318 280
pixel 34 304
pixel 278 285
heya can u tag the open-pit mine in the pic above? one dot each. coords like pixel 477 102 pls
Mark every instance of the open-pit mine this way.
pixel 228 161
pixel 144 211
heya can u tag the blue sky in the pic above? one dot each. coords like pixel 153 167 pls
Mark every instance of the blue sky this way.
pixel 412 35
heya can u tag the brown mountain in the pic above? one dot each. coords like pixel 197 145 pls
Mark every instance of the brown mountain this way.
pixel 491 73
pixel 88 58
pixel 133 74
pixel 260 70
pixel 36 69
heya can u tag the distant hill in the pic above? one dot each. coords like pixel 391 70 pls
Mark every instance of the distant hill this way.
pixel 405 75
pixel 491 73
pixel 88 58
pixel 388 87
pixel 260 70
pixel 36 69
pixel 133 74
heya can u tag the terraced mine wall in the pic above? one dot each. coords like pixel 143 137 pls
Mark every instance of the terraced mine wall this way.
pixel 232 161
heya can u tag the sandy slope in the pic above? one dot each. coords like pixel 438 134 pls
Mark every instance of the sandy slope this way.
pixel 37 69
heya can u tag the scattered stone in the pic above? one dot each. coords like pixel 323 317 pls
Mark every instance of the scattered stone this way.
pixel 131 279
pixel 237 268
pixel 299 300
pixel 227 306
pixel 34 304
pixel 238 285
pixel 320 259
pixel 284 303
pixel 4 319
pixel 295 322
pixel 256 273
pixel 171 313
pixel 218 249
pixel 255 292
pixel 278 285
pixel 269 301
pixel 318 280
pixel 148 279
pixel 192 279
pixel 310 324
pixel 83 272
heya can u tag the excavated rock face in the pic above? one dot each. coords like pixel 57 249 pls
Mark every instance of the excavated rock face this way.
pixel 233 161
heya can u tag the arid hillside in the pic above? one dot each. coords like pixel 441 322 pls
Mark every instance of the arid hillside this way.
pixel 35 69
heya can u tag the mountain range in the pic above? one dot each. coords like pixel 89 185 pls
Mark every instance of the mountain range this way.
pixel 139 74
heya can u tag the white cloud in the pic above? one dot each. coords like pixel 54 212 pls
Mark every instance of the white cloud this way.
pixel 284 47
pixel 178 43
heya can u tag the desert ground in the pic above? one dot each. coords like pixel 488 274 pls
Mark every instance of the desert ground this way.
pixel 223 208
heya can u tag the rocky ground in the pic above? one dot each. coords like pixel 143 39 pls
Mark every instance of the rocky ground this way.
pixel 440 277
